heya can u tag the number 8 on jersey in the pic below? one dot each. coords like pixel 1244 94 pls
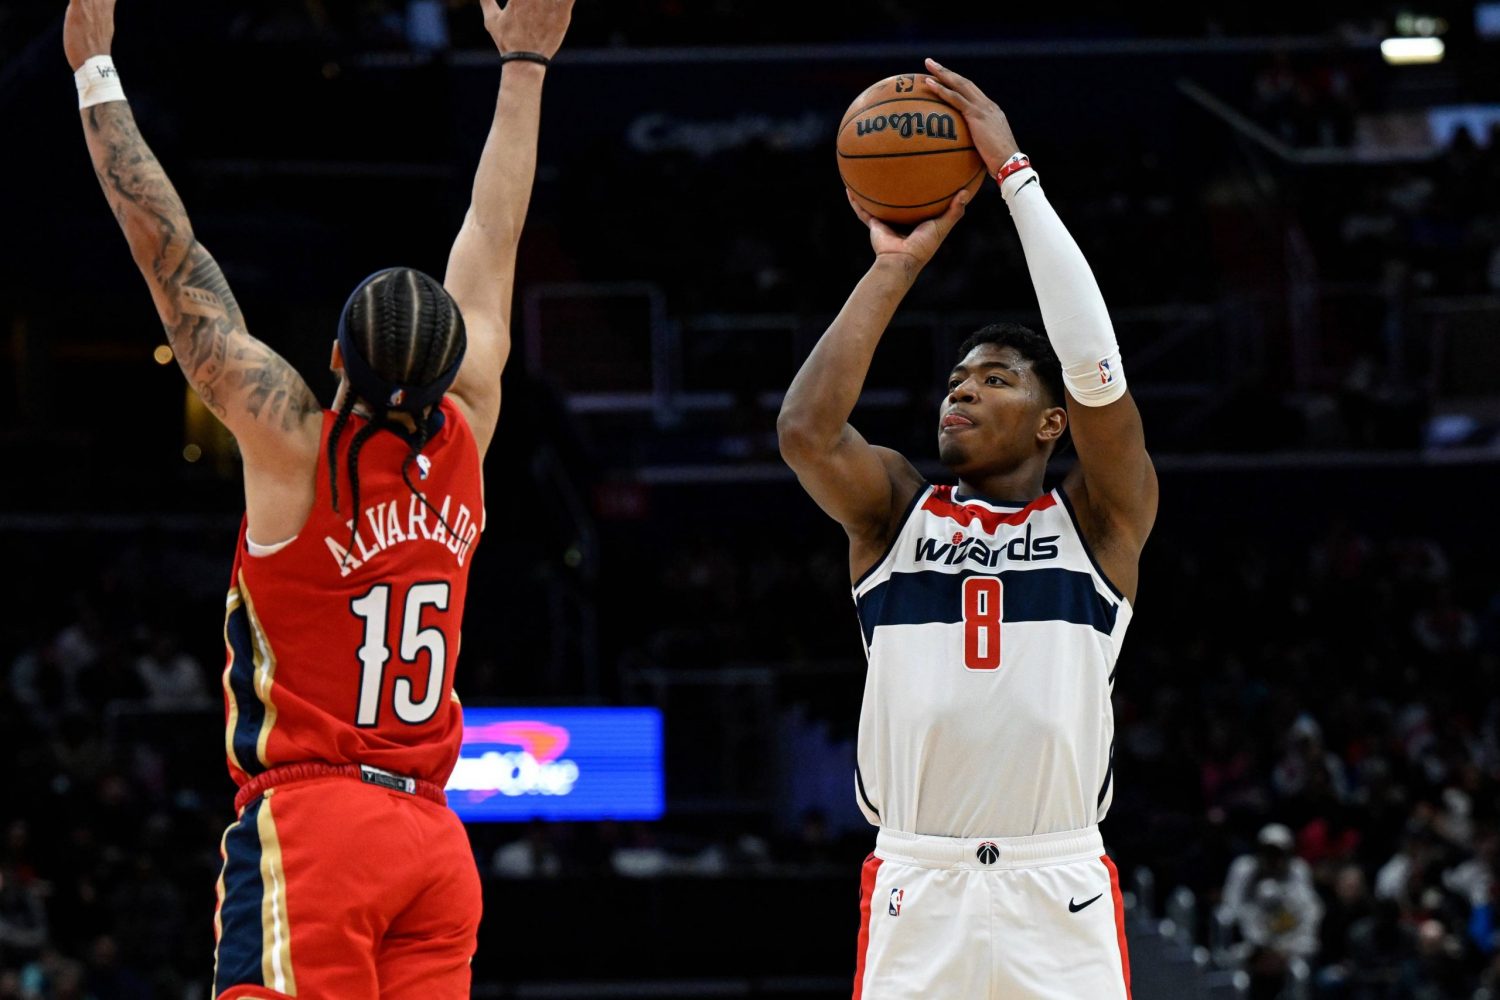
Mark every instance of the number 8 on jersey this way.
pixel 983 606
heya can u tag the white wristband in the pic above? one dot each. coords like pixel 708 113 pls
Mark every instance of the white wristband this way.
pixel 98 81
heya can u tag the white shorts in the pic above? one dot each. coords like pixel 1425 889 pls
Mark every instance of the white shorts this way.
pixel 1017 918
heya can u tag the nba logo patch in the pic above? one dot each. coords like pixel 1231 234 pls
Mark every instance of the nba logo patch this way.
pixel 424 465
pixel 1106 376
pixel 894 909
pixel 397 395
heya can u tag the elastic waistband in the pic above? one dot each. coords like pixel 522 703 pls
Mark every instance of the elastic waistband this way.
pixel 293 773
pixel 989 853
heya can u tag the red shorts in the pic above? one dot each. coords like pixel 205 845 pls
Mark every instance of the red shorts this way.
pixel 333 889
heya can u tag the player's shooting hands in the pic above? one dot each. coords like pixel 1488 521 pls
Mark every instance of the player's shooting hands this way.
pixel 528 25
pixel 917 246
pixel 88 29
pixel 987 124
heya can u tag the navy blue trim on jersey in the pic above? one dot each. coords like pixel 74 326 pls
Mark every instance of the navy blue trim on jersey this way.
pixel 241 938
pixel 922 491
pixel 252 712
pixel 859 782
pixel 1083 540
pixel 1109 775
pixel 1033 595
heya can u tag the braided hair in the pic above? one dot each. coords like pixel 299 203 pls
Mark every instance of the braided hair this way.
pixel 402 339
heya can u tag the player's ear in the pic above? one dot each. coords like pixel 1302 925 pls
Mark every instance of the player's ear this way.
pixel 1054 421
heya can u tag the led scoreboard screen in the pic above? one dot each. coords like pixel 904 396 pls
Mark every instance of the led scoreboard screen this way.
pixel 559 764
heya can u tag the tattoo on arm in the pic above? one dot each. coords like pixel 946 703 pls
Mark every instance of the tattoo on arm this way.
pixel 226 366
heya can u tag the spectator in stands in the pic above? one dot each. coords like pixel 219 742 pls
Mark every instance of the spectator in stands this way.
pixel 533 856
pixel 1419 850
pixel 1443 628
pixel 109 978
pixel 23 915
pixel 1270 900
pixel 1305 764
pixel 1350 914
pixel 172 679
pixel 1435 971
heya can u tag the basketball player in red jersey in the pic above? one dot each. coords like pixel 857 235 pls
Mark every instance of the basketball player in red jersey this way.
pixel 993 612
pixel 345 876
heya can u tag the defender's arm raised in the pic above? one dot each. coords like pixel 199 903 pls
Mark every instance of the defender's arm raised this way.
pixel 259 397
pixel 482 263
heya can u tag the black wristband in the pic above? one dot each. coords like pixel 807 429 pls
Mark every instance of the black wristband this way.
pixel 535 57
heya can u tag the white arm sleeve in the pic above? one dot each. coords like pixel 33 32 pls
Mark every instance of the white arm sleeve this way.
pixel 1072 309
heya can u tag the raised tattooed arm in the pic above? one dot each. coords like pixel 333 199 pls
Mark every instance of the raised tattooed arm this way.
pixel 258 396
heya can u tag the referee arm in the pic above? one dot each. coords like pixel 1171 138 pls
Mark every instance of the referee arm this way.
pixel 274 416
pixel 482 264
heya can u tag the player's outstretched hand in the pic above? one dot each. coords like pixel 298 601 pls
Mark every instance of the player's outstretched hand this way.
pixel 922 242
pixel 88 29
pixel 987 124
pixel 528 25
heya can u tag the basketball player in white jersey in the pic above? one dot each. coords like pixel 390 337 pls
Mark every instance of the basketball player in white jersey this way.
pixel 992 614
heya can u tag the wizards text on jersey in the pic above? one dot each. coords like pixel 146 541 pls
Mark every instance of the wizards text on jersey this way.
pixel 955 550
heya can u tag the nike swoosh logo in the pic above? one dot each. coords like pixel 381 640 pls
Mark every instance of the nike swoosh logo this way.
pixel 1075 907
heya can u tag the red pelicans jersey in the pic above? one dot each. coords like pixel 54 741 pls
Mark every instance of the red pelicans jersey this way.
pixel 341 652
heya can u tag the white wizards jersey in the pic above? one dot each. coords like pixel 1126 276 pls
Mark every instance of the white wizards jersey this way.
pixel 991 636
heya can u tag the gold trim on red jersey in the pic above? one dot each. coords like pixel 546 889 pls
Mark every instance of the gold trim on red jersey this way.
pixel 232 706
pixel 265 672
pixel 276 953
pixel 219 895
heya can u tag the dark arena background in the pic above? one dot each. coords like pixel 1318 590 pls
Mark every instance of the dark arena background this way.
pixel 1299 241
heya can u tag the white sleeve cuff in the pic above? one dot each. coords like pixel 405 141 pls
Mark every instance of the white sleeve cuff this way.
pixel 1097 383
pixel 1073 309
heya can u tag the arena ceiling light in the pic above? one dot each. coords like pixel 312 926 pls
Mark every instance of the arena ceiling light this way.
pixel 1410 24
pixel 1412 51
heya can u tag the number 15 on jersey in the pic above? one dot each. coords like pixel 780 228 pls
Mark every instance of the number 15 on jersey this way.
pixel 373 608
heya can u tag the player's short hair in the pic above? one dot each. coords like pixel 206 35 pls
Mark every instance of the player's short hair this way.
pixel 403 339
pixel 1032 346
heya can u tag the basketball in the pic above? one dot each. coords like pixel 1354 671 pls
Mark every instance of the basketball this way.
pixel 904 152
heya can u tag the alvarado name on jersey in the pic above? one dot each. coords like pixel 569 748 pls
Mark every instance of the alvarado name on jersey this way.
pixel 1022 548
pixel 385 527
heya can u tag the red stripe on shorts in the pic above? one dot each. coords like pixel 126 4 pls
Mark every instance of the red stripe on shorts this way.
pixel 1114 891
pixel 866 893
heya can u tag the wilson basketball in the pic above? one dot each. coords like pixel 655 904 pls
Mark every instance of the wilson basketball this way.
pixel 904 152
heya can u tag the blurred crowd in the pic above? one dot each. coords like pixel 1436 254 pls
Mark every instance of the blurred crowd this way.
pixel 117 792
pixel 1309 710
pixel 1315 743
pixel 110 831
pixel 1308 739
